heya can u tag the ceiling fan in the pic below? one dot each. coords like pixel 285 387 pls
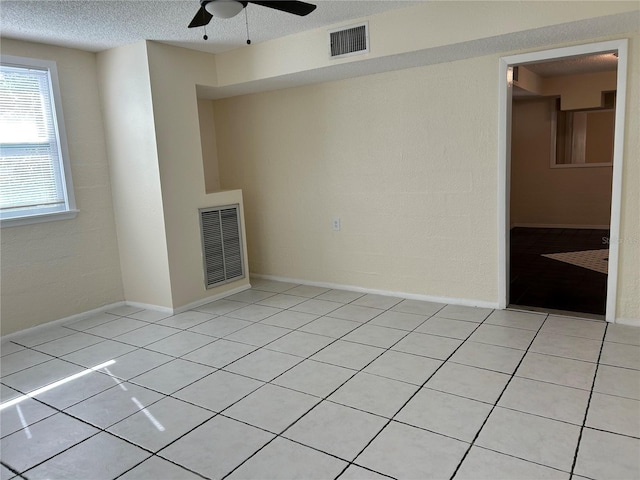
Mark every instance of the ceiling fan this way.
pixel 230 8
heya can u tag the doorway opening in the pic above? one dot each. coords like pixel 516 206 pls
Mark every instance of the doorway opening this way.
pixel 562 121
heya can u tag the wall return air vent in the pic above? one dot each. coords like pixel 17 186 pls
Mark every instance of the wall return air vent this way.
pixel 221 245
pixel 347 41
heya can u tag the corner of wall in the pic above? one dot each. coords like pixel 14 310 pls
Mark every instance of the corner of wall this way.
pixel 133 163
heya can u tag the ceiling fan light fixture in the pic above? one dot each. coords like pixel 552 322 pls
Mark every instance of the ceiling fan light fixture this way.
pixel 224 8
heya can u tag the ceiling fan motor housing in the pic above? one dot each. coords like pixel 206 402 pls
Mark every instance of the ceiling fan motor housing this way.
pixel 230 8
pixel 223 8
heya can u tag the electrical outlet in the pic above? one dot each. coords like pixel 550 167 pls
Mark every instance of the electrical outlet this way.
pixel 336 224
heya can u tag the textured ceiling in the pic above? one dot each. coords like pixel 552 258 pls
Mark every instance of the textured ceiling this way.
pixel 576 65
pixel 601 62
pixel 103 24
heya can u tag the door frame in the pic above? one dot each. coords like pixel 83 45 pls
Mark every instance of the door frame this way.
pixel 505 97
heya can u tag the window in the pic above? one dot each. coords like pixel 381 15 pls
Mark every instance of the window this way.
pixel 583 138
pixel 35 178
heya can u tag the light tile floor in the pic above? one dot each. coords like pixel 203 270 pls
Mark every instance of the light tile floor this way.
pixel 289 381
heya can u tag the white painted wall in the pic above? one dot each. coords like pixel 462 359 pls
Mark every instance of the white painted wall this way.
pixel 406 159
pixel 174 74
pixel 133 162
pixel 424 26
pixel 57 269
pixel 628 301
pixel 209 147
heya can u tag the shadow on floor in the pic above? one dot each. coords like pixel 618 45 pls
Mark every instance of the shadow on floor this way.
pixel 538 281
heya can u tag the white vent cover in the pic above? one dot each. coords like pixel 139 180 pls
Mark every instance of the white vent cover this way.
pixel 221 245
pixel 346 41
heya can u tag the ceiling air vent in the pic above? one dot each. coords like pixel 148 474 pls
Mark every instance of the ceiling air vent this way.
pixel 353 40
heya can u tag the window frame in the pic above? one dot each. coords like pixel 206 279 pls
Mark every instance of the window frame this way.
pixel 66 180
pixel 553 154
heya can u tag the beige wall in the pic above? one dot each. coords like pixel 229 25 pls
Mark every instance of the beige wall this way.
pixel 541 195
pixel 407 160
pixel 133 161
pixel 174 74
pixel 155 154
pixel 461 123
pixel 600 136
pixel 209 146
pixel 57 269
pixel 580 91
pixel 628 302
pixel 426 25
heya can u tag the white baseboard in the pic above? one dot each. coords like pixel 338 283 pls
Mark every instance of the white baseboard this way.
pixel 60 321
pixel 212 298
pixel 111 306
pixel 633 322
pixel 557 225
pixel 192 305
pixel 148 306
pixel 409 296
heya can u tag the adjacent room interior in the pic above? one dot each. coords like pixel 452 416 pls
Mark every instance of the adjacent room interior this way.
pixel 561 183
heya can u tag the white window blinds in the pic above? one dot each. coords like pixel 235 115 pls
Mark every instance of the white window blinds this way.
pixel 32 180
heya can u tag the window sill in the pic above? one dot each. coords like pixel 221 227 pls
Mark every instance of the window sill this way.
pixel 44 217
pixel 581 165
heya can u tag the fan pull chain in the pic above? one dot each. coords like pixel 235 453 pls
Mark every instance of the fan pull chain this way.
pixel 205 36
pixel 246 20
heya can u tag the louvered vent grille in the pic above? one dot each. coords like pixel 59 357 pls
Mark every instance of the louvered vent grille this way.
pixel 349 41
pixel 221 245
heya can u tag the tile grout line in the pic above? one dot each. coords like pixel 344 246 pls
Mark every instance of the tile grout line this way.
pixel 144 347
pixel 333 391
pixel 245 396
pixel 10 468
pixel 161 458
pixel 304 358
pixel 251 392
pixel 67 448
pixel 586 411
pixel 58 410
pixel 122 380
pixel 99 428
pixel 103 430
pixel 626 435
pixel 164 396
pixel 253 323
pixel 352 462
pixel 258 347
pixel 86 422
pixel 279 435
pixel 513 374
pixel 103 339
pixel 334 340
pixel 282 373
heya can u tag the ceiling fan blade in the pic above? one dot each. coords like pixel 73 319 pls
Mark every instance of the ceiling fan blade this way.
pixel 297 8
pixel 201 19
